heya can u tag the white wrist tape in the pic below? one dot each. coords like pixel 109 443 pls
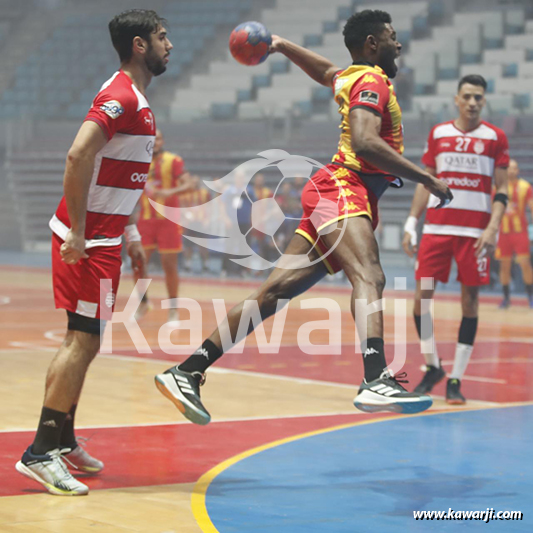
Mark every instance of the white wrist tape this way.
pixel 410 227
pixel 132 234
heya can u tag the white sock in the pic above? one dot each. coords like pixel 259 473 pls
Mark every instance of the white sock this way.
pixel 428 345
pixel 462 356
pixel 429 351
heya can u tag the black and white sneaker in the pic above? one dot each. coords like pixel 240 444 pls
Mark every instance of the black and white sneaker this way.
pixel 453 392
pixel 183 390
pixel 386 394
pixel 433 375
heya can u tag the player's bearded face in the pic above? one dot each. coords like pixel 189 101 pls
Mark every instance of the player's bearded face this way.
pixel 155 59
pixel 389 50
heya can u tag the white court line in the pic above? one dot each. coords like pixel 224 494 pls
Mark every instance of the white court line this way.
pixel 473 378
pixel 33 346
pixel 389 416
pixel 58 335
pixel 217 421
pixel 51 335
pixel 4 300
pixel 219 370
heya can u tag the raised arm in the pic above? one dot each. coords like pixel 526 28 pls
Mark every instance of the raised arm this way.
pixel 319 68
pixel 77 179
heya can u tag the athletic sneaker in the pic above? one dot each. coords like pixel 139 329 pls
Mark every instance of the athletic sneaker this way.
pixel 386 394
pixel 80 460
pixel 144 307
pixel 173 317
pixel 183 390
pixel 432 376
pixel 50 470
pixel 505 304
pixel 453 392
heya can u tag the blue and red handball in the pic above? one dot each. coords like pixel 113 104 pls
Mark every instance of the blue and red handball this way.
pixel 249 43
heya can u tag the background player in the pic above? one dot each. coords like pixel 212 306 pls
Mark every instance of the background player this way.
pixel 100 195
pixel 514 236
pixel 167 179
pixel 465 153
pixel 196 195
pixel 367 162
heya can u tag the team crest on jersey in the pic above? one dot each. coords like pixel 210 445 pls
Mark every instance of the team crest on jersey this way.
pixel 110 299
pixel 369 96
pixel 112 109
pixel 339 83
pixel 149 120
pixel 479 147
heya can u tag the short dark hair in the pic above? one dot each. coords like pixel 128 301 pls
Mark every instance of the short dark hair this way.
pixel 359 26
pixel 473 79
pixel 130 24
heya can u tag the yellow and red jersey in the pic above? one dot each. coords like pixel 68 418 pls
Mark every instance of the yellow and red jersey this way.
pixel 262 192
pixel 366 86
pixel 194 197
pixel 164 173
pixel 514 220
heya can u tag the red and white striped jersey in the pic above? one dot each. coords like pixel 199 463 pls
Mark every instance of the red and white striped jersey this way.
pixel 466 161
pixel 120 168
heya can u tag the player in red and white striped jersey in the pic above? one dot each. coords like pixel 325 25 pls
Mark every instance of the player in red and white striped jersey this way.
pixel 467 153
pixel 106 170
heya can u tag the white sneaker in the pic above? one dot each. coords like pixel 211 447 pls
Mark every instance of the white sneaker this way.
pixel 79 459
pixel 50 470
pixel 173 317
pixel 144 307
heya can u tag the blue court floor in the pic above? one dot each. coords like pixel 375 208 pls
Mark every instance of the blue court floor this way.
pixel 371 477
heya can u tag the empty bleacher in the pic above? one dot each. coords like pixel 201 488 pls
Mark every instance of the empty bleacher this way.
pixel 61 77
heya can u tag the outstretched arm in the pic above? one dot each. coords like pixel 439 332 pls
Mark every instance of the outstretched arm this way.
pixel 367 142
pixel 319 68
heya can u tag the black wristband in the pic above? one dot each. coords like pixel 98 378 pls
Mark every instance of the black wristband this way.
pixel 501 197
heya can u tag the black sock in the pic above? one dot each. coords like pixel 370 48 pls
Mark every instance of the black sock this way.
pixel 373 358
pixel 506 292
pixel 202 358
pixel 529 290
pixel 418 324
pixel 68 439
pixel 48 431
pixel 468 330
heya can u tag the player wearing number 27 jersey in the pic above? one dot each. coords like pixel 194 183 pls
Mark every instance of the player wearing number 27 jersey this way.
pixel 467 154
pixel 466 161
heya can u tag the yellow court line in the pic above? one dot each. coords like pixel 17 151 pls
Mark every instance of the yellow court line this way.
pixel 198 498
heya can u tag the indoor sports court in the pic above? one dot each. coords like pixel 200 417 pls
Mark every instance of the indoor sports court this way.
pixel 286 450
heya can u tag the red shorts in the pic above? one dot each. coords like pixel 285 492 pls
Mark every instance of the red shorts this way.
pixel 435 260
pixel 331 196
pixel 510 244
pixel 77 287
pixel 160 233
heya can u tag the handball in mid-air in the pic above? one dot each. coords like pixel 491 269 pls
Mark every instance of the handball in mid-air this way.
pixel 249 43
